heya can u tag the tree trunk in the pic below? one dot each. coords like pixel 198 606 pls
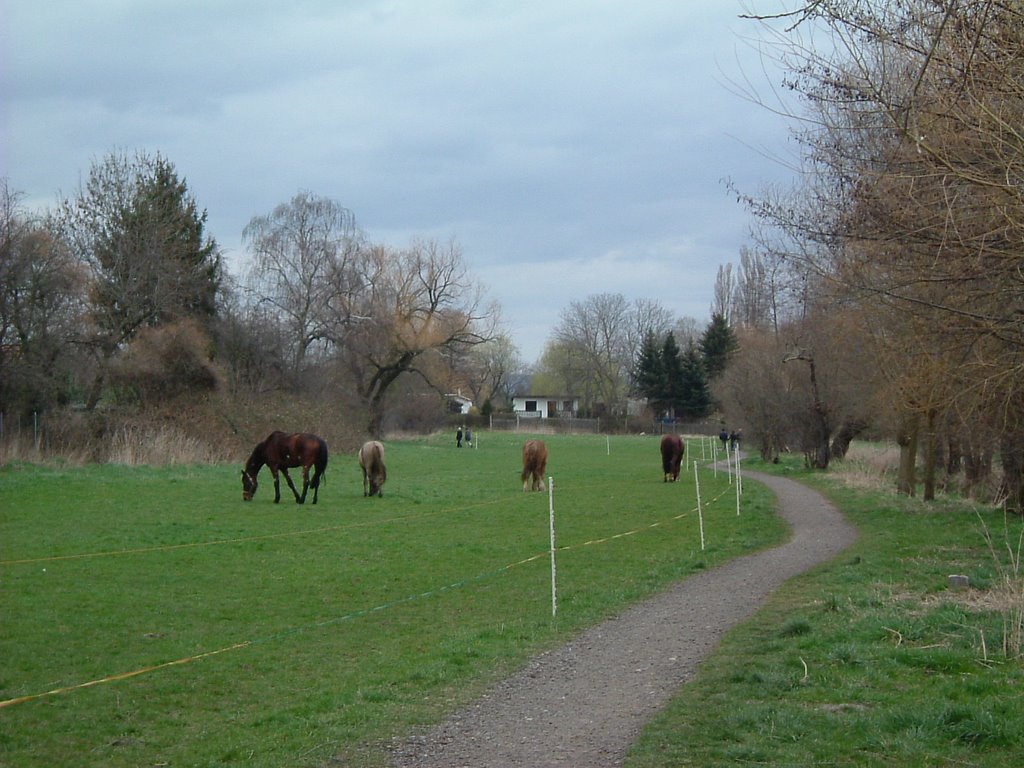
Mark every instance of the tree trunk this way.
pixel 1011 452
pixel 769 448
pixel 930 444
pixel 907 437
pixel 822 451
pixel 954 456
pixel 823 429
pixel 977 461
pixel 95 392
pixel 847 432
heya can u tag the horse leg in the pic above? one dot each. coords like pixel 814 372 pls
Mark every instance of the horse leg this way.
pixel 366 483
pixel 284 471
pixel 277 486
pixel 316 484
pixel 305 484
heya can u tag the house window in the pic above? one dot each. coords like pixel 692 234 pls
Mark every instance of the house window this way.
pixel 531 406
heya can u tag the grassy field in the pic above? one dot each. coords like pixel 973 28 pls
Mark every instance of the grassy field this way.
pixel 871 660
pixel 149 617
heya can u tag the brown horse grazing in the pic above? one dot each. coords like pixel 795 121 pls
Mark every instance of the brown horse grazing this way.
pixel 671 456
pixel 535 463
pixel 371 459
pixel 279 452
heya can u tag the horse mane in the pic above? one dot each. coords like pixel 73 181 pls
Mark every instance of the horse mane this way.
pixel 258 457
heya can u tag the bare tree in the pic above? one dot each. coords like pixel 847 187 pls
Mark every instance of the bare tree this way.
pixel 487 368
pixel 415 306
pixel 42 303
pixel 648 316
pixel 725 293
pixel 759 290
pixel 757 391
pixel 594 334
pixel 302 268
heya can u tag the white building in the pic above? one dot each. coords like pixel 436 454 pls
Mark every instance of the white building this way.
pixel 545 406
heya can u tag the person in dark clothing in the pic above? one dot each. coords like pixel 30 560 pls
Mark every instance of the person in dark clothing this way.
pixel 458 438
pixel 734 439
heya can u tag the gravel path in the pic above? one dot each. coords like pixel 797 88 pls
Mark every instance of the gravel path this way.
pixel 586 703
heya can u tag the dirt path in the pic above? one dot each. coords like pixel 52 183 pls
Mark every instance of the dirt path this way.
pixel 584 704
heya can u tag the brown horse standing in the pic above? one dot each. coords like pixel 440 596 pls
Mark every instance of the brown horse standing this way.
pixel 535 463
pixel 280 452
pixel 671 456
pixel 371 459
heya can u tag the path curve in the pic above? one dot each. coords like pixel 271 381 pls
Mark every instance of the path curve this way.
pixel 586 703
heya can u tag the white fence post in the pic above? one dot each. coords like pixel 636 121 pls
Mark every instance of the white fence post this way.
pixel 700 514
pixel 554 572
pixel 739 481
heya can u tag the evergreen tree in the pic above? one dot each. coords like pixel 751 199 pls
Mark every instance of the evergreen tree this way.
pixel 140 235
pixel 695 402
pixel 188 253
pixel 649 374
pixel 139 230
pixel 673 376
pixel 674 384
pixel 717 345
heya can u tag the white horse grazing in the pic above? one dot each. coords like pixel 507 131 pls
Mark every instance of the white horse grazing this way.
pixel 371 459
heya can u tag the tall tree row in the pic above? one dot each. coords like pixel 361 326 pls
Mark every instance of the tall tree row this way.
pixel 906 229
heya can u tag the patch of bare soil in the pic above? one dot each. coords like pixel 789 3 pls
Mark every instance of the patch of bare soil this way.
pixel 586 703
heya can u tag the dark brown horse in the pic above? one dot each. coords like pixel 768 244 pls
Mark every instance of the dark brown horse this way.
pixel 671 456
pixel 281 452
pixel 535 463
pixel 371 459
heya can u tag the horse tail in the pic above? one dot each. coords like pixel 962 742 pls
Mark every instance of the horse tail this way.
pixel 321 462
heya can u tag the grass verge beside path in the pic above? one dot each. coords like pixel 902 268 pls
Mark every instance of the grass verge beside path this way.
pixel 872 660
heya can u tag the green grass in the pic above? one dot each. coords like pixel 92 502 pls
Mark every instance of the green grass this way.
pixel 271 635
pixel 868 661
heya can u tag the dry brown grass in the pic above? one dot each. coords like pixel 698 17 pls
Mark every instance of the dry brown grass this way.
pixel 868 466
pixel 210 430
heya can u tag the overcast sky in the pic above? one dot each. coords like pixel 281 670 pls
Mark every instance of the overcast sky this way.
pixel 570 147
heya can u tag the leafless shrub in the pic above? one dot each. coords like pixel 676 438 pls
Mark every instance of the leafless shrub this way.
pixel 166 362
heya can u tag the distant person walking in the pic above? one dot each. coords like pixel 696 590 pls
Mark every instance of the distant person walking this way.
pixel 735 437
pixel 724 437
pixel 458 438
